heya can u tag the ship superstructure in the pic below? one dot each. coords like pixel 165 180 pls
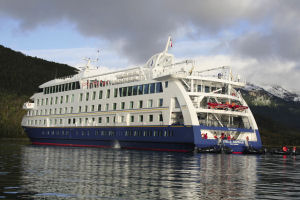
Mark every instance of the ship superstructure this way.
pixel 163 105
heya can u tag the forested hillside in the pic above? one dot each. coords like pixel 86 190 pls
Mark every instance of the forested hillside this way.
pixel 20 77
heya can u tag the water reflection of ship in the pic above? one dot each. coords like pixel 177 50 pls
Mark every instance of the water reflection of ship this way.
pixel 106 173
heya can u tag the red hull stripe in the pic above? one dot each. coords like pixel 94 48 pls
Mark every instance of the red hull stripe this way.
pixel 69 145
pixel 237 152
pixel 153 149
pixel 102 146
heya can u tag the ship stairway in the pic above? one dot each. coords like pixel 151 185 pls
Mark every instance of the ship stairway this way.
pixel 188 87
pixel 218 120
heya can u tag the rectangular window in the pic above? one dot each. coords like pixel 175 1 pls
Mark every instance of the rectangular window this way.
pixel 140 89
pixel 93 108
pixel 135 89
pixel 94 95
pixel 71 110
pixel 116 92
pixel 146 89
pixel 99 107
pixel 99 120
pixel 79 109
pixel 150 103
pixel 107 107
pixel 150 118
pixel 124 92
pixel 56 100
pixel 160 117
pixel 120 92
pixel 141 118
pixel 100 94
pixel 46 101
pixel 130 91
pixel 160 102
pixel 80 96
pixel 122 119
pixel 115 106
pixel 86 108
pixel 51 101
pixel 198 88
pixel 42 102
pixel 206 89
pixel 131 105
pixel 131 118
pixel 108 93
pixel 72 98
pixel 159 87
pixel 140 104
pixel 107 119
pixel 152 88
pixel 66 110
pixel 67 98
pixel 61 99
pixel 122 105
pixel 87 96
pixel 166 84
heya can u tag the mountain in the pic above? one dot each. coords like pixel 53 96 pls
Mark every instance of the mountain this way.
pixel 20 76
pixel 277 112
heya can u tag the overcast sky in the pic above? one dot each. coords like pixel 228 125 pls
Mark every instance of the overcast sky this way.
pixel 259 39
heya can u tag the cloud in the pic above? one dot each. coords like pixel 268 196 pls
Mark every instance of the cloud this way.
pixel 141 26
pixel 264 35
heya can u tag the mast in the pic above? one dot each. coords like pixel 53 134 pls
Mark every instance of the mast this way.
pixel 169 43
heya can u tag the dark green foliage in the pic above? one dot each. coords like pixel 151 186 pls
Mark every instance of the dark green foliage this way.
pixel 20 77
pixel 22 74
pixel 278 121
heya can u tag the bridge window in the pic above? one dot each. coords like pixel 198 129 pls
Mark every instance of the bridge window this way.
pixel 152 88
pixel 135 88
pixel 146 89
pixel 159 87
pixel 140 89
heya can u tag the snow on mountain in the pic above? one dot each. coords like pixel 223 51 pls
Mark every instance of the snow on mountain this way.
pixel 274 90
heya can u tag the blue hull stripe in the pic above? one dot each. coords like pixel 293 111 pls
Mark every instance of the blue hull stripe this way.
pixel 181 138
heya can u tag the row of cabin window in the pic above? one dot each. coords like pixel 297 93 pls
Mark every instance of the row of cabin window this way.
pixel 148 133
pixel 125 91
pixel 101 120
pixel 62 87
pixel 56 100
pixel 122 106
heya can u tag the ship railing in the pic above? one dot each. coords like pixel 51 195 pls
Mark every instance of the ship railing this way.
pixel 187 68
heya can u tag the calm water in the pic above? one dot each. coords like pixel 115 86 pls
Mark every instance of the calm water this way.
pixel 35 172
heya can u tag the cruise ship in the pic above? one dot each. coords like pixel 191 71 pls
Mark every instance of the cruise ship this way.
pixel 163 105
